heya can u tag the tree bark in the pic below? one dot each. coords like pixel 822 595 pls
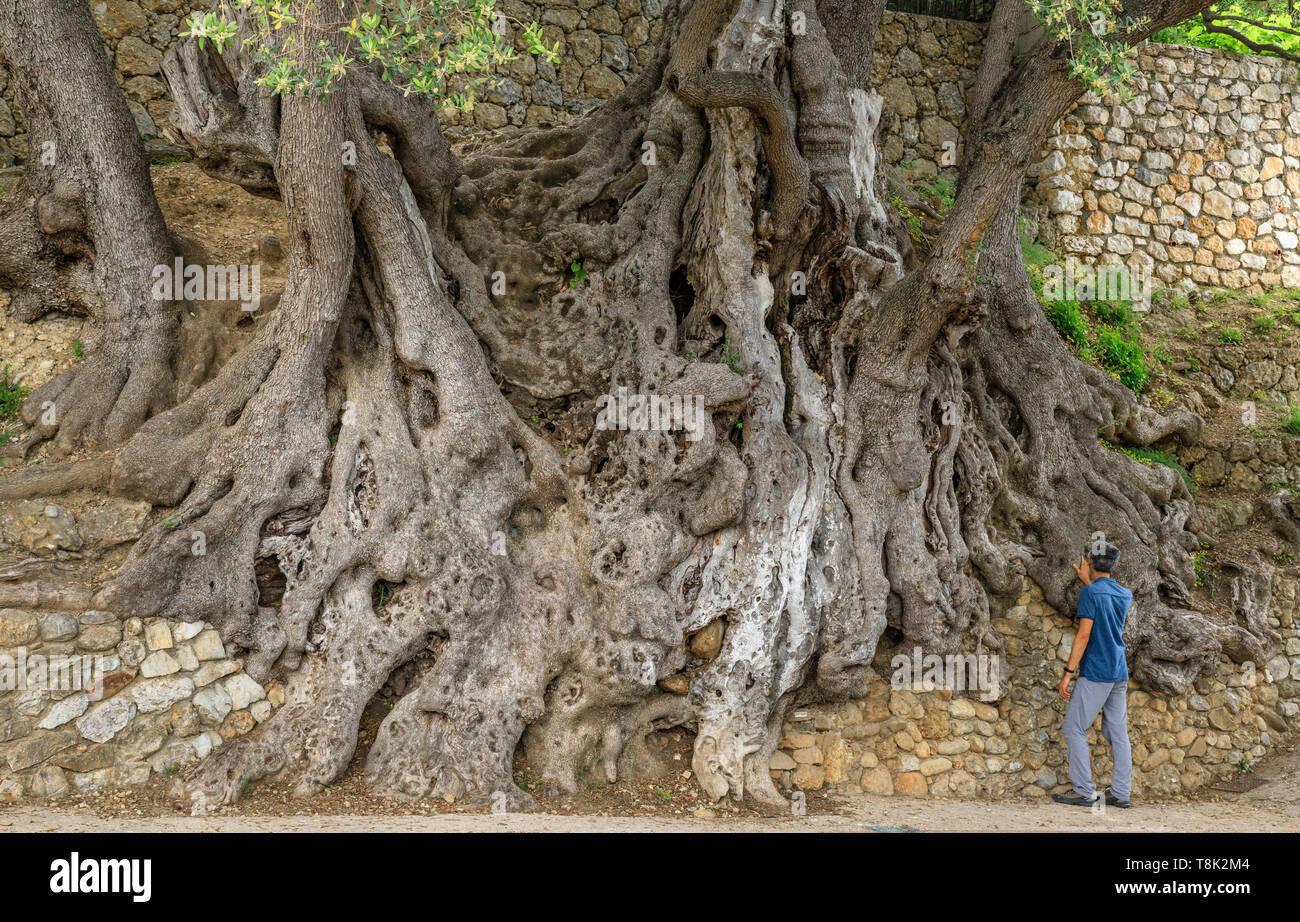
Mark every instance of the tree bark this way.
pixel 83 232
pixel 417 449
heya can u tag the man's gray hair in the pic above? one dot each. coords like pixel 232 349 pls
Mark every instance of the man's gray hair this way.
pixel 1103 557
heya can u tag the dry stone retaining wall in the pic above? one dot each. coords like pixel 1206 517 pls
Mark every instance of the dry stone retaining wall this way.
pixel 164 694
pixel 924 67
pixel 89 699
pixel 1197 176
pixel 908 740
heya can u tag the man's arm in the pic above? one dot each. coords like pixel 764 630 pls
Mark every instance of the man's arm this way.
pixel 1080 644
pixel 1085 616
pixel 1076 654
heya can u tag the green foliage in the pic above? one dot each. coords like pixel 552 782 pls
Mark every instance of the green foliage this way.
pixel 445 50
pixel 731 356
pixel 1120 351
pixel 1069 320
pixel 1230 336
pixel 1290 421
pixel 1105 332
pixel 1204 569
pixel 76 348
pixel 913 220
pixel 1168 459
pixel 11 395
pixel 577 274
pixel 1036 256
pixel 1114 312
pixel 1174 297
pixel 1095 31
pixel 1192 32
pixel 942 189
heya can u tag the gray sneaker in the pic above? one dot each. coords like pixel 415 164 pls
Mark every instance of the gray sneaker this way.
pixel 1075 800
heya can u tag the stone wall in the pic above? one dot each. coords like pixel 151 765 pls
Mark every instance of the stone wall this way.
pixel 1263 373
pixel 169 695
pixel 1198 175
pixel 136 32
pixel 602 46
pixel 154 694
pixel 912 741
pixel 924 67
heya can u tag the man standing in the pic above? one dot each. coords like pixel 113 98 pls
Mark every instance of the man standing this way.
pixel 1097 658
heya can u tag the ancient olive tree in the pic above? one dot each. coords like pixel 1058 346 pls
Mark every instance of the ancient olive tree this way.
pixel 82 231
pixel 418 441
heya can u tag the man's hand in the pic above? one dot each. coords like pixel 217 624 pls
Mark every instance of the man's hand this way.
pixel 1084 573
pixel 1064 687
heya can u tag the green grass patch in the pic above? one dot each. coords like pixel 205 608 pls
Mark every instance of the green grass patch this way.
pixel 1106 333
pixel 11 396
pixel 1070 321
pixel 1168 459
pixel 1290 421
pixel 942 189
pixel 1120 352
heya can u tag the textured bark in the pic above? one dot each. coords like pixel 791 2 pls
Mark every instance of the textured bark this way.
pixel 419 457
pixel 83 232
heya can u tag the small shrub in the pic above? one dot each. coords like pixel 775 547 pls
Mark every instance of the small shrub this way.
pixel 1204 569
pixel 1230 336
pixel 1069 320
pixel 11 395
pixel 1120 353
pixel 1291 421
pixel 1113 312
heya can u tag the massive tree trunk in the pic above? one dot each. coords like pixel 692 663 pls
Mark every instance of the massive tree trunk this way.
pixel 82 232
pixel 419 451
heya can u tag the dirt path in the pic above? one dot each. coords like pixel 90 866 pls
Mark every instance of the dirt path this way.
pixel 877 814
pixel 1273 806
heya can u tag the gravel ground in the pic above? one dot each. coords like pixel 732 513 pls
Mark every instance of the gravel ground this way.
pixel 883 814
pixel 1273 806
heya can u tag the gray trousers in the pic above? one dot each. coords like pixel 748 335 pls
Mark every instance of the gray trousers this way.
pixel 1087 698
